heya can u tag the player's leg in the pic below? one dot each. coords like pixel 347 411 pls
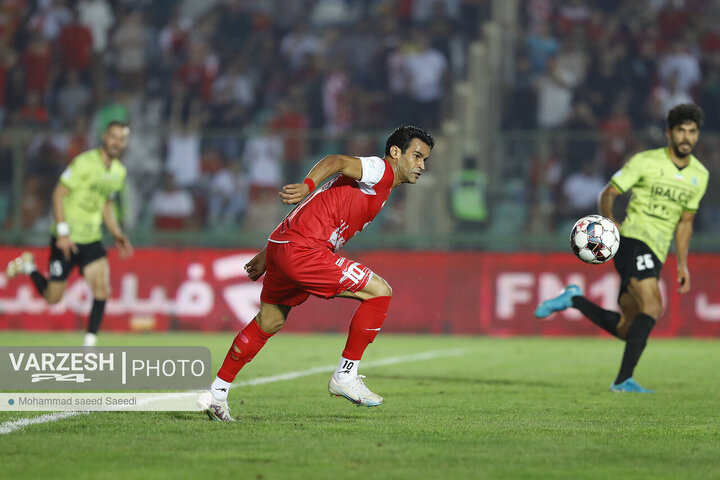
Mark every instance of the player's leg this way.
pixel 646 294
pixel 97 275
pixel 365 325
pixel 571 296
pixel 52 289
pixel 559 303
pixel 243 349
pixel 368 318
pixel 629 308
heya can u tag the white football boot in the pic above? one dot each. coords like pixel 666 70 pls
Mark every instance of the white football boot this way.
pixel 355 391
pixel 25 263
pixel 214 408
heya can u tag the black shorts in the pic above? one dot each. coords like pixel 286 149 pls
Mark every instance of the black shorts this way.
pixel 60 267
pixel 634 259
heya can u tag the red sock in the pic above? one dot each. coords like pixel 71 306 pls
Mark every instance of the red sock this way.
pixel 246 345
pixel 365 325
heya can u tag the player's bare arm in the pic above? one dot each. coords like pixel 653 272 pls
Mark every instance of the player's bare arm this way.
pixel 255 268
pixel 683 232
pixel 606 200
pixel 327 167
pixel 122 242
pixel 64 243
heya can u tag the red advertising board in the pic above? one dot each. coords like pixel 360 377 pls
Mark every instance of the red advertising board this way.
pixel 433 292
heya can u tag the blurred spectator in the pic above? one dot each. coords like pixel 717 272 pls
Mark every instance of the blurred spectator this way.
pixel 336 99
pixel 175 35
pixel 298 44
pixel 581 148
pixel 541 45
pixel 555 92
pixel 199 71
pixel 291 124
pixel 231 105
pixel 328 13
pixel 171 207
pixel 573 14
pixel 681 66
pixel 424 10
pixel 183 144
pixel 617 133
pixel 97 16
pixel 235 25
pixel 50 18
pixel 263 156
pixel 37 61
pixel 129 41
pixel 398 85
pixel 228 195
pixel 710 96
pixel 427 69
pixel 521 98
pixel 112 107
pixel 33 113
pixel 7 62
pixel 667 95
pixel 79 140
pixel 73 99
pixel 581 190
pixel 75 46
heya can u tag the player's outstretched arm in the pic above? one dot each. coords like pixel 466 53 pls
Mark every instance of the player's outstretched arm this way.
pixel 606 200
pixel 64 244
pixel 683 232
pixel 327 167
pixel 122 242
pixel 255 268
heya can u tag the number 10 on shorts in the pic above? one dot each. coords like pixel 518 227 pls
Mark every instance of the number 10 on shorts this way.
pixel 355 273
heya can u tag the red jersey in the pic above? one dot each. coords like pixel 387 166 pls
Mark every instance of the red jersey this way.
pixel 339 209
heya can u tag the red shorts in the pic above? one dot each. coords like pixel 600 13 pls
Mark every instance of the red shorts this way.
pixel 293 272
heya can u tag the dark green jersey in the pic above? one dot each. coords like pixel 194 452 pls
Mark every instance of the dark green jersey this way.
pixel 661 192
pixel 90 184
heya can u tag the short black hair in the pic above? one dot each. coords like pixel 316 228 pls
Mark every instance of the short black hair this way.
pixel 685 112
pixel 403 135
pixel 116 123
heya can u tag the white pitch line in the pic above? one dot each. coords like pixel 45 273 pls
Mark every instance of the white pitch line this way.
pixel 15 425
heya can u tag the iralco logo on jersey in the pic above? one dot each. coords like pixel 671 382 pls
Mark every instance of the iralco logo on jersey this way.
pixel 104 368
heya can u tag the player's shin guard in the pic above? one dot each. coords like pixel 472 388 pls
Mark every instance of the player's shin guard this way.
pixel 246 345
pixel 365 325
pixel 96 316
pixel 605 319
pixel 635 342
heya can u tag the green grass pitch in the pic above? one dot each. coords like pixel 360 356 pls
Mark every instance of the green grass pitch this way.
pixel 498 408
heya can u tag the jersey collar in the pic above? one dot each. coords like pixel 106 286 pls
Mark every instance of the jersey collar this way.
pixel 667 155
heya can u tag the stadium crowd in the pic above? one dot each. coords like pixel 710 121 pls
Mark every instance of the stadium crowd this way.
pixel 605 73
pixel 221 95
pixel 229 99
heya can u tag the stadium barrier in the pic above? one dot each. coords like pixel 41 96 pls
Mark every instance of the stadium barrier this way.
pixel 434 292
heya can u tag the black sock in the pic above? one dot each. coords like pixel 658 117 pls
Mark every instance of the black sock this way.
pixel 40 282
pixel 96 316
pixel 605 319
pixel 637 336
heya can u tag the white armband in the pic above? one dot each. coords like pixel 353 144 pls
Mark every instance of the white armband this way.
pixel 63 229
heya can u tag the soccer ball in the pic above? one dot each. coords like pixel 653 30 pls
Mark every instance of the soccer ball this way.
pixel 594 239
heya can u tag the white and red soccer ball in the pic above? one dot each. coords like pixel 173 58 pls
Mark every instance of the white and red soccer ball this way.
pixel 594 239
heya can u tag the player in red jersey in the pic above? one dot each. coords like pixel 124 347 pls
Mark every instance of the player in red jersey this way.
pixel 300 260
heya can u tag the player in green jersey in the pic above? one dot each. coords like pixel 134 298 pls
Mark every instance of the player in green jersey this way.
pixel 667 185
pixel 82 201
